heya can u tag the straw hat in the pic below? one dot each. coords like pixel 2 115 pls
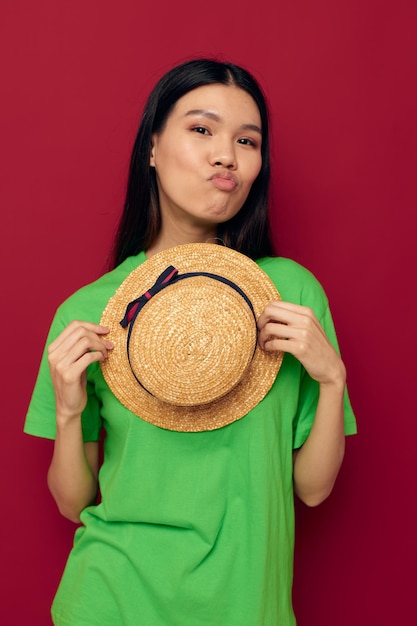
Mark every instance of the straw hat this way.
pixel 183 325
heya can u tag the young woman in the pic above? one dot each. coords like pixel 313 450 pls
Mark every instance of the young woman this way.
pixel 192 528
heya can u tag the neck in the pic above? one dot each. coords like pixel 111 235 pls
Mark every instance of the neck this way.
pixel 175 236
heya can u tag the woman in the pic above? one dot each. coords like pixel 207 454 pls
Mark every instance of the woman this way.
pixel 192 528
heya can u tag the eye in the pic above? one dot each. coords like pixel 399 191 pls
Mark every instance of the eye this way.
pixel 200 129
pixel 245 141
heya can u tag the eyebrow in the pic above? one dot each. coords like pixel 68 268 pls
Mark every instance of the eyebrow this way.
pixel 217 118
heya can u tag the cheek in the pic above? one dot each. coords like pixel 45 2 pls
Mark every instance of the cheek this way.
pixel 174 170
pixel 179 157
pixel 253 171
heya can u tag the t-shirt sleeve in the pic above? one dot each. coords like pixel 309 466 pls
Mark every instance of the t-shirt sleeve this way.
pixel 40 419
pixel 309 394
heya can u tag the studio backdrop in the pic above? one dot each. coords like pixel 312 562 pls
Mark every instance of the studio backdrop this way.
pixel 340 80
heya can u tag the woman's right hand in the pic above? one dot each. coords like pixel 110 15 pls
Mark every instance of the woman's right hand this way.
pixel 79 345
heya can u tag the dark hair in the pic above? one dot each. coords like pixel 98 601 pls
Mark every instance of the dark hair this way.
pixel 248 231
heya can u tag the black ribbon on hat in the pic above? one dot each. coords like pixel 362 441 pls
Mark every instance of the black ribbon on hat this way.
pixel 169 276
pixel 134 307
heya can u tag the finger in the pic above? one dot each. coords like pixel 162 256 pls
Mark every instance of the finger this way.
pixel 77 326
pixel 282 305
pixel 70 373
pixel 280 312
pixel 276 344
pixel 74 333
pixel 299 342
pixel 270 331
pixel 84 345
pixel 288 314
pixel 76 346
pixel 274 330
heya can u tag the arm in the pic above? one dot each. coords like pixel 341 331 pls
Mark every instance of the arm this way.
pixel 295 329
pixel 72 475
pixel 317 462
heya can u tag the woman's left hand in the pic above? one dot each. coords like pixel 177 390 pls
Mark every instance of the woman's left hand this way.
pixel 295 329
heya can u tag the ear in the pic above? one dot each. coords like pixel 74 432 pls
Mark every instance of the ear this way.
pixel 152 157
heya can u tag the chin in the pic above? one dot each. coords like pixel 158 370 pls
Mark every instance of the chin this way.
pixel 222 213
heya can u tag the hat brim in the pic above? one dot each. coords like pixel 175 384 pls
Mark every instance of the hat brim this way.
pixel 256 381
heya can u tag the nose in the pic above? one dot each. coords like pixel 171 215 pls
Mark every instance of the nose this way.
pixel 223 155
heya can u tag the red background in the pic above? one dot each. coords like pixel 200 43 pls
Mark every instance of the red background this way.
pixel 341 79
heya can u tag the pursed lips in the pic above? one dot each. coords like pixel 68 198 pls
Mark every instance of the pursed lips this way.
pixel 225 181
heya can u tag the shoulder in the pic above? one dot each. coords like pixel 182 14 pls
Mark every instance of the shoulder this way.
pixel 294 282
pixel 89 301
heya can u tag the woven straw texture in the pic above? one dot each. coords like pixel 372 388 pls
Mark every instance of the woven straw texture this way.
pixel 193 346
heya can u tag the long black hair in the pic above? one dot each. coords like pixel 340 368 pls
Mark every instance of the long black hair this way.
pixel 248 231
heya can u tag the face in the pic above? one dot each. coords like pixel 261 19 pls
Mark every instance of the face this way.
pixel 208 155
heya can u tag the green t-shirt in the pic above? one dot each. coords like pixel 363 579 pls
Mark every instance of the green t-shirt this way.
pixel 193 529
